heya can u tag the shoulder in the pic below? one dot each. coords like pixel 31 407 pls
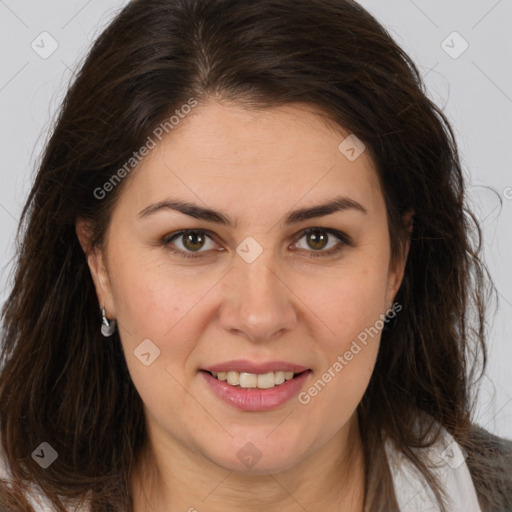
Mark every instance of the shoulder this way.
pixel 475 470
pixel 444 461
pixel 489 459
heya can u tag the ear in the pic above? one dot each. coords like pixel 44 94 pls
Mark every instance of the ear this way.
pixel 96 260
pixel 396 271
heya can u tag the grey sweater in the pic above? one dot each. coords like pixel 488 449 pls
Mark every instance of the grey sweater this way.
pixel 490 464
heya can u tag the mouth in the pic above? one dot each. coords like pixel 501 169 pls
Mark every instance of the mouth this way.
pixel 244 380
pixel 256 392
pixel 254 386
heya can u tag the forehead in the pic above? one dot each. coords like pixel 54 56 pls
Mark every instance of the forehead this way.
pixel 225 155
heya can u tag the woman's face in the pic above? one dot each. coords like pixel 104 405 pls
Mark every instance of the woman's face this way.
pixel 247 290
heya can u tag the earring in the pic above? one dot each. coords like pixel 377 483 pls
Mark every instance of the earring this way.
pixel 108 327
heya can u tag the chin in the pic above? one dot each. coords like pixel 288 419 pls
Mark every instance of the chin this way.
pixel 257 458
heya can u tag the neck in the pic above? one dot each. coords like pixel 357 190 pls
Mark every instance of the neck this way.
pixel 331 479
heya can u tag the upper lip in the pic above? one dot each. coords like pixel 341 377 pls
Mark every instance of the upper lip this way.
pixel 246 366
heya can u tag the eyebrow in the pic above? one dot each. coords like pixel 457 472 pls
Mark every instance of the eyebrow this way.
pixel 338 204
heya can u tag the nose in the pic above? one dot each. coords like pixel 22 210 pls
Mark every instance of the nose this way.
pixel 257 302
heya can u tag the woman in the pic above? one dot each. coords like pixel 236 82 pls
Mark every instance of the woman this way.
pixel 247 280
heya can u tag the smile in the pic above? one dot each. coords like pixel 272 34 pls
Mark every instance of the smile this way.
pixel 255 392
pixel 253 380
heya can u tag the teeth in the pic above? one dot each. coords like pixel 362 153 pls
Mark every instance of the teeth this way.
pixel 233 378
pixel 253 380
pixel 249 380
pixel 280 377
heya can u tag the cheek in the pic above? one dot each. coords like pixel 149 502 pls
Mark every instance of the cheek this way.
pixel 160 312
pixel 349 304
pixel 160 318
pixel 151 295
pixel 350 313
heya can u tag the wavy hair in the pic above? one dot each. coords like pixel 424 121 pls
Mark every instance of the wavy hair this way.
pixel 62 384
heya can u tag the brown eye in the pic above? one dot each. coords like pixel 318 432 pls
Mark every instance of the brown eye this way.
pixel 193 243
pixel 193 240
pixel 186 243
pixel 317 239
pixel 322 242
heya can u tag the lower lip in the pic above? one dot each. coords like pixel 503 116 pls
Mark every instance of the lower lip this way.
pixel 255 399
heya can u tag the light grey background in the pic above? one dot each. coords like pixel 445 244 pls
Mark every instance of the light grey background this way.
pixel 474 89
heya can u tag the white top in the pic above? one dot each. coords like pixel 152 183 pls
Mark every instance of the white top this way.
pixel 447 460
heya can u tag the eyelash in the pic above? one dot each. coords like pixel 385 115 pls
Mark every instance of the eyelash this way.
pixel 344 240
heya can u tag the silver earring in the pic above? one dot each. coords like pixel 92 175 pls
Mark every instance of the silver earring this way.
pixel 108 327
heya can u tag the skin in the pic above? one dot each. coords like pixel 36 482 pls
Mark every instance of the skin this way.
pixel 255 166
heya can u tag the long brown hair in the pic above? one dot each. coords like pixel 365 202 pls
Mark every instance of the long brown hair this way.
pixel 62 384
